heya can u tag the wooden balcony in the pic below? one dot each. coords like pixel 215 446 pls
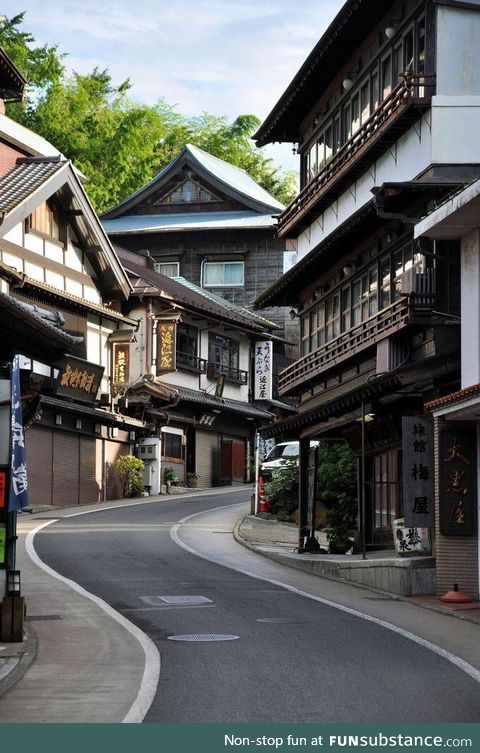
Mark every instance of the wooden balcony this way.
pixel 391 119
pixel 236 376
pixel 412 308
pixel 187 362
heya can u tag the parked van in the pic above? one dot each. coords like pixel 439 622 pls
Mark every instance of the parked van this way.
pixel 279 456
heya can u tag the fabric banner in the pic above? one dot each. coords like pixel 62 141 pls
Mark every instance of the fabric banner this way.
pixel 18 496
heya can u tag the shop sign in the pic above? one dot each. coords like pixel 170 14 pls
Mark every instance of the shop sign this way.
pixel 79 379
pixel 166 346
pixel 263 370
pixel 121 363
pixel 3 538
pixel 418 472
pixel 458 488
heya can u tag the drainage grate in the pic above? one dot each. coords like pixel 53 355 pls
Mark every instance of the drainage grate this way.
pixel 203 637
pixel 185 599
pixel 281 620
pixel 43 617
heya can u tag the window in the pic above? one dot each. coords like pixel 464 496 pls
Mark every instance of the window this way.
pixel 187 344
pixel 223 274
pixel 224 355
pixel 168 268
pixel 386 76
pixel 172 445
pixel 365 102
pixel 45 219
pixel 187 192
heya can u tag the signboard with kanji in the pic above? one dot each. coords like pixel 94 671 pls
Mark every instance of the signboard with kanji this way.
pixel 166 346
pixel 263 370
pixel 121 363
pixel 418 480
pixel 458 486
pixel 79 379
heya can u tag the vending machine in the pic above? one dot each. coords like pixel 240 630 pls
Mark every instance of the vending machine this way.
pixel 149 450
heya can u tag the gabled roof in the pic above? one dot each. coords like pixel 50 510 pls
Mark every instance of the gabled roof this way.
pixel 351 25
pixel 12 83
pixel 193 298
pixel 33 180
pixel 231 180
pixel 129 224
pixel 224 404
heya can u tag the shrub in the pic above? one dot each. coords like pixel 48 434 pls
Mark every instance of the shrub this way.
pixel 282 491
pixel 169 475
pixel 130 470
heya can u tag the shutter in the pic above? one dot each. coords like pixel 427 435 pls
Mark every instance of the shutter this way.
pixel 90 492
pixel 39 449
pixel 66 463
pixel 206 458
pixel 113 450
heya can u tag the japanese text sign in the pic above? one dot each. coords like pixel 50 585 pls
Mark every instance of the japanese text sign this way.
pixel 418 481
pixel 79 379
pixel 263 370
pixel 166 346
pixel 121 364
pixel 18 493
pixel 458 487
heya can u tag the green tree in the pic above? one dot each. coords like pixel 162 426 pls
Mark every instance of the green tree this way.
pixel 130 470
pixel 337 483
pixel 117 143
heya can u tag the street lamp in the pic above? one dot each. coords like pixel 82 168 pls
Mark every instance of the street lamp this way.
pixel 13 583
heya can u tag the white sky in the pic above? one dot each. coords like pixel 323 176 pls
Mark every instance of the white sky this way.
pixel 225 57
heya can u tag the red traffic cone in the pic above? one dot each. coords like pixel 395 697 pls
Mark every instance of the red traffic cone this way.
pixel 263 505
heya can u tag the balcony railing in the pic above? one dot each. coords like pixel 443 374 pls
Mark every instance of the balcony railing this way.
pixel 191 363
pixel 215 370
pixel 374 136
pixel 410 308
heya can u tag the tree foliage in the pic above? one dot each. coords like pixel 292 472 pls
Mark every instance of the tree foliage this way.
pixel 130 470
pixel 120 144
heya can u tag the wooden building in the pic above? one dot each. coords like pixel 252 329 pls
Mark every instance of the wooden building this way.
pixel 59 275
pixel 209 222
pixel 202 349
pixel 383 116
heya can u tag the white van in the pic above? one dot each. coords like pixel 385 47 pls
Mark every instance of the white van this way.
pixel 282 454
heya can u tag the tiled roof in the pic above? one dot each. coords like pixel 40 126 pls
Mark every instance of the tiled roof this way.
pixel 163 223
pixel 453 397
pixel 153 283
pixel 41 320
pixel 25 177
pixel 233 406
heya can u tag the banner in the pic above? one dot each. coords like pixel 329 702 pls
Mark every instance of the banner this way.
pixel 418 472
pixel 18 496
pixel 263 370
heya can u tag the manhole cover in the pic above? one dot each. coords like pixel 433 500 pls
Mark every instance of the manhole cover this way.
pixel 280 620
pixel 205 637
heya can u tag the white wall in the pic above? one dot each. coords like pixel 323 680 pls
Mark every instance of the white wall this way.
pixel 458 50
pixel 470 308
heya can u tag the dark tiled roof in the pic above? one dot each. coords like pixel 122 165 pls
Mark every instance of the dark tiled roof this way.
pixel 223 404
pixel 44 322
pixel 195 298
pixel 453 397
pixel 25 177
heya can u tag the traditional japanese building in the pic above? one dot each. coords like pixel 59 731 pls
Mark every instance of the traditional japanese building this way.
pixel 199 373
pixel 383 113
pixel 60 293
pixel 206 220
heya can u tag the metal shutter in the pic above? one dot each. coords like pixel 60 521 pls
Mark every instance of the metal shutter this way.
pixel 90 491
pixel 206 458
pixel 66 463
pixel 39 448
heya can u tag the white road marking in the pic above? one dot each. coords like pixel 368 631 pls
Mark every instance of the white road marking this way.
pixel 452 658
pixel 151 673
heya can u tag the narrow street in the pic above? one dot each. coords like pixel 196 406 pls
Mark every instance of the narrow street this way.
pixel 289 658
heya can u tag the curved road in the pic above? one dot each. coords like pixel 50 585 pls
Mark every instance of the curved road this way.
pixel 292 659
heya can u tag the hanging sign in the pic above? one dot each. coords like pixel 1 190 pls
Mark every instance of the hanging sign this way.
pixel 121 363
pixel 166 346
pixel 79 379
pixel 3 538
pixel 18 492
pixel 263 370
pixel 458 487
pixel 418 487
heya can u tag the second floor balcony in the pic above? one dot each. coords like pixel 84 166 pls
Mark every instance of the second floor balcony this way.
pixel 391 119
pixel 236 376
pixel 412 308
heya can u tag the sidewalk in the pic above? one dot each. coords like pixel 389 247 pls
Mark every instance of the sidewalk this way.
pixel 383 571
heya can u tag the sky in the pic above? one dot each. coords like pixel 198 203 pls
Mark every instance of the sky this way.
pixel 222 56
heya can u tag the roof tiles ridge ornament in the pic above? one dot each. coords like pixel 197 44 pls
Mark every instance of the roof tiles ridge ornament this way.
pixel 453 397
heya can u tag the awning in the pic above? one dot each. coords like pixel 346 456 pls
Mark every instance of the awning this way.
pixel 122 336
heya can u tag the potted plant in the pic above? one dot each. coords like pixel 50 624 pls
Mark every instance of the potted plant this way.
pixel 338 533
pixel 192 480
pixel 170 478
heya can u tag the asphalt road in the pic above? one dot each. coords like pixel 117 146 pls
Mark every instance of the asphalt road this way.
pixel 292 659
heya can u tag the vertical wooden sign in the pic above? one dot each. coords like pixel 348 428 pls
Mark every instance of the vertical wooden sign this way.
pixel 418 472
pixel 458 485
pixel 166 346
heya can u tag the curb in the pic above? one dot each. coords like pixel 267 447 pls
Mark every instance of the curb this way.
pixel 27 658
pixel 394 597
